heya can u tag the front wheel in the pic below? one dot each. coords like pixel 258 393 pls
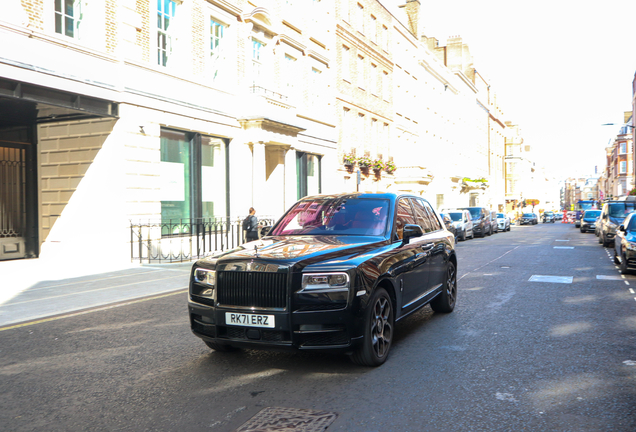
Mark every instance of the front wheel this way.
pixel 378 332
pixel 623 268
pixel 445 302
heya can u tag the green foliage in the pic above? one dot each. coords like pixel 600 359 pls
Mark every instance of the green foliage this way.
pixel 364 162
pixel 349 159
pixel 390 167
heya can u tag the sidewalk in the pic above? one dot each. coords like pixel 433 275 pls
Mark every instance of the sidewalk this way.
pixel 32 289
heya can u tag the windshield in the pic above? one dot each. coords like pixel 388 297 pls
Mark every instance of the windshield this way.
pixel 455 216
pixel 328 216
pixel 592 214
pixel 527 215
pixel 500 215
pixel 632 224
pixel 475 212
pixel 549 214
pixel 620 210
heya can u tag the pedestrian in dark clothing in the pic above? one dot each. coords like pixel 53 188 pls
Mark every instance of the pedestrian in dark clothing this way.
pixel 251 230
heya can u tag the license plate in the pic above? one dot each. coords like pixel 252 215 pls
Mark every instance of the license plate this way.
pixel 249 320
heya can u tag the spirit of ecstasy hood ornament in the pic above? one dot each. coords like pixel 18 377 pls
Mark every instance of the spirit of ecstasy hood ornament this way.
pixel 256 251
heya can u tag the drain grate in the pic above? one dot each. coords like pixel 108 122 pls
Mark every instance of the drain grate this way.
pixel 289 420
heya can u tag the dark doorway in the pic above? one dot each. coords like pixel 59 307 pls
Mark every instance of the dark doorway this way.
pixel 18 181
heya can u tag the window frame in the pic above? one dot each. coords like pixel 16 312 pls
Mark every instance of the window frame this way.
pixel 166 32
pixel 76 21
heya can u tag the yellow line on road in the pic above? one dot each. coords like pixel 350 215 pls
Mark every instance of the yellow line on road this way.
pixel 98 309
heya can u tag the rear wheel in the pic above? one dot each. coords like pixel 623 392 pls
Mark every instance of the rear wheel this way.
pixel 445 302
pixel 463 237
pixel 378 332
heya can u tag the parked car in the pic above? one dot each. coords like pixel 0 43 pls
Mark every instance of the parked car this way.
pixel 480 217
pixel 588 220
pixel 494 225
pixel 558 216
pixel 334 273
pixel 612 215
pixel 548 217
pixel 528 219
pixel 625 244
pixel 448 223
pixel 503 221
pixel 463 223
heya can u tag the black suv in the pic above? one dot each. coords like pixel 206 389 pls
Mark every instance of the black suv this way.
pixel 482 224
pixel 612 215
pixel 334 273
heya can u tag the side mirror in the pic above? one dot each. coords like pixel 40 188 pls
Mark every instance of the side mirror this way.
pixel 411 231
pixel 621 228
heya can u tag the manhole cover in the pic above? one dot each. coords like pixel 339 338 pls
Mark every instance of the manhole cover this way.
pixel 552 279
pixel 288 420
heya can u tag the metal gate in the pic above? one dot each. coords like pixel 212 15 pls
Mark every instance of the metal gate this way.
pixel 13 200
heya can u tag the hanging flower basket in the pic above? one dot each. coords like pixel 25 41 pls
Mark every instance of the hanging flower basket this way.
pixel 389 167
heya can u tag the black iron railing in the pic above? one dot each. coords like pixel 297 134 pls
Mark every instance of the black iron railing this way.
pixel 178 240
pixel 269 93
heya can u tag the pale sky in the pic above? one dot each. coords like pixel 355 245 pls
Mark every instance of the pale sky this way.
pixel 560 68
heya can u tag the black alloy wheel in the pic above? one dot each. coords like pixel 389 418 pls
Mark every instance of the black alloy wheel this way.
pixel 446 300
pixel 378 332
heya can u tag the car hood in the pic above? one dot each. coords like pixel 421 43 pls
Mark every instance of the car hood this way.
pixel 298 252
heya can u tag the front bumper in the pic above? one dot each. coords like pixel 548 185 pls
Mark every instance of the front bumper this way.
pixel 336 330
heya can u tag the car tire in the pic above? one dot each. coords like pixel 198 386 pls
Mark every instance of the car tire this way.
pixel 463 238
pixel 446 300
pixel 606 243
pixel 378 331
pixel 616 261
pixel 582 230
pixel 600 238
pixel 623 266
pixel 220 347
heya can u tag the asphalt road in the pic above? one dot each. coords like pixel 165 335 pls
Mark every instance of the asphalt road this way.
pixel 516 355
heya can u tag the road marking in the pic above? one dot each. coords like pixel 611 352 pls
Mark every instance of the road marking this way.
pixel 610 277
pixel 563 240
pixel 563 247
pixel 632 291
pixel 552 279
pixel 626 283
pixel 98 309
pixel 488 263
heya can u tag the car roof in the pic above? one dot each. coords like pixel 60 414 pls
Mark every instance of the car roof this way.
pixel 376 195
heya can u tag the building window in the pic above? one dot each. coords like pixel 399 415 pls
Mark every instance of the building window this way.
pixel 192 179
pixel 257 54
pixel 308 169
pixel 346 63
pixel 373 77
pixel 217 48
pixel 623 148
pixel 374 29
pixel 362 76
pixel 68 16
pixel 385 38
pixel 165 14
pixel 385 85
pixel 623 167
pixel 360 18
pixel 291 75
pixel 317 88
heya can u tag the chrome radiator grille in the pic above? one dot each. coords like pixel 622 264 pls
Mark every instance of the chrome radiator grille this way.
pixel 252 289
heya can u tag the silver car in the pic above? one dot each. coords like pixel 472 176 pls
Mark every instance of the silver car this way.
pixel 462 222
pixel 503 221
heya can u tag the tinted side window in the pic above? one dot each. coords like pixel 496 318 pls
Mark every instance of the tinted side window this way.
pixel 431 215
pixel 404 216
pixel 421 216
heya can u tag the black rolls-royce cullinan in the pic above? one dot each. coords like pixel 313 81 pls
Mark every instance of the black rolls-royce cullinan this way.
pixel 334 273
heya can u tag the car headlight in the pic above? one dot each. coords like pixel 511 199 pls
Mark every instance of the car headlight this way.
pixel 631 246
pixel 204 277
pixel 325 282
pixel 611 226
